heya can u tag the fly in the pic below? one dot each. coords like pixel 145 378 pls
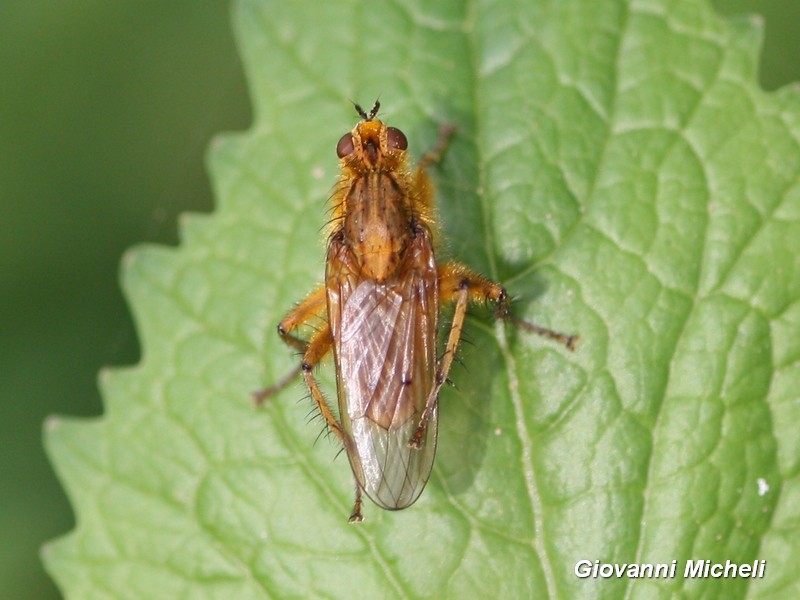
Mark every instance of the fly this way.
pixel 380 305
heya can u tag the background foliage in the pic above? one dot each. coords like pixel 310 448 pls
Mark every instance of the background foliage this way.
pixel 106 112
pixel 76 197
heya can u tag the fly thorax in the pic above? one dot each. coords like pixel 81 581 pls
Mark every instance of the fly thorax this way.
pixel 379 248
pixel 377 225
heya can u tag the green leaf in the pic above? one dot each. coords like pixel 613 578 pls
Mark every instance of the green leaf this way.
pixel 619 170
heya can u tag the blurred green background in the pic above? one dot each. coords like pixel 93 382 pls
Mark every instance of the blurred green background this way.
pixel 106 109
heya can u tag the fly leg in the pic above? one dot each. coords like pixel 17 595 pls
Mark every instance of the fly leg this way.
pixel 443 368
pixel 314 350
pixel 461 285
pixel 318 346
pixel 432 157
pixel 424 197
pixel 568 340
pixel 313 306
pixel 355 516
pixel 453 275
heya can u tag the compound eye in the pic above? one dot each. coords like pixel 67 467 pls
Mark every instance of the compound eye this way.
pixel 345 146
pixel 396 139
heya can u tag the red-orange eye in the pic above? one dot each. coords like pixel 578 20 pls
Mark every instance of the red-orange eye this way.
pixel 345 146
pixel 396 138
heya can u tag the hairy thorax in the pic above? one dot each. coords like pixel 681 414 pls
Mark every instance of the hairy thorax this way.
pixel 376 224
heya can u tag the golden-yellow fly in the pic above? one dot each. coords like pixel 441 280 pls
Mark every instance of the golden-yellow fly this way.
pixel 379 306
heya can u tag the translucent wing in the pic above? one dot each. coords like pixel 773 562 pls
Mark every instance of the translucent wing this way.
pixel 385 350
